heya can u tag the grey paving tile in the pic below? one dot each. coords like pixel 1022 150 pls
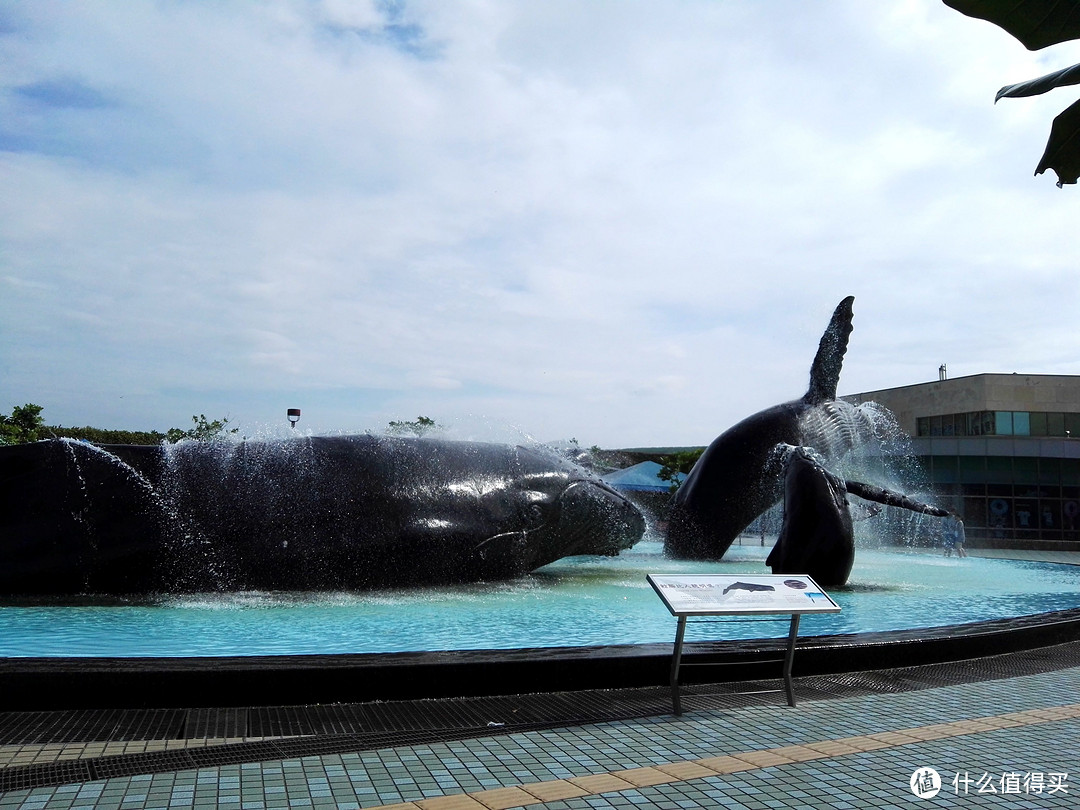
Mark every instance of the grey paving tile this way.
pixel 877 777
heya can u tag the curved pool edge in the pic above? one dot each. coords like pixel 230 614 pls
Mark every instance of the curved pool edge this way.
pixel 112 683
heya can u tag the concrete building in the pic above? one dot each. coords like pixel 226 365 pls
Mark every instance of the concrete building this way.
pixel 1003 450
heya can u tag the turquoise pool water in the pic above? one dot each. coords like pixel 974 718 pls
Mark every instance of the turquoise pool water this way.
pixel 578 601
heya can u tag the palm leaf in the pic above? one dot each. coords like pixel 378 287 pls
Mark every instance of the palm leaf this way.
pixel 1063 149
pixel 1036 23
pixel 1061 78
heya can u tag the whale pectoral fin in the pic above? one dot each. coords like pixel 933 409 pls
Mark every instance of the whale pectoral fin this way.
pixel 825 371
pixel 888 497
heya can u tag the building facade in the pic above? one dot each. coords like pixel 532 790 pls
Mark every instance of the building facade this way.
pixel 1002 450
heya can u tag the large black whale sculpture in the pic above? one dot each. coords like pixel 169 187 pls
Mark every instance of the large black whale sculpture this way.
pixel 322 513
pixel 817 536
pixel 728 486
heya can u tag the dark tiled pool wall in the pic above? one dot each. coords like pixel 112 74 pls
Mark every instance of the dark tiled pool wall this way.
pixel 89 683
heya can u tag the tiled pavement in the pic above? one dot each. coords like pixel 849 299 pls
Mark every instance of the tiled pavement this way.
pixel 1018 736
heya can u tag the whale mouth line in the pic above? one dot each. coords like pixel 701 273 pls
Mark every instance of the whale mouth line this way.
pixel 590 518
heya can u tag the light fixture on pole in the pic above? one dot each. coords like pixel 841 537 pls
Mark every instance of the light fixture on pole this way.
pixel 294 416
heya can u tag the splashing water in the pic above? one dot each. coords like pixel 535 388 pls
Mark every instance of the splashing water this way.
pixel 865 443
pixel 579 601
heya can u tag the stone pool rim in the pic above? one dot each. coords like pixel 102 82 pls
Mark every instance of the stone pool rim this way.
pixel 275 680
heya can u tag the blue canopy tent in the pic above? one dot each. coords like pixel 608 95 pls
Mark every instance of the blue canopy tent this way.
pixel 641 477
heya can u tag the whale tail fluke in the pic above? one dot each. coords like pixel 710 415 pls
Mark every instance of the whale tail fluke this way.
pixel 825 371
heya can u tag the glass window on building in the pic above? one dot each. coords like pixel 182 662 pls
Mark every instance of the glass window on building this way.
pixel 975 513
pixel 1070 474
pixel 972 469
pixel 1003 423
pixel 1055 424
pixel 1021 423
pixel 1050 472
pixel 999 470
pixel 1025 514
pixel 999 423
pixel 1025 471
pixel 1050 517
pixel 1072 425
pixel 1037 424
pixel 1070 517
pixel 1000 513
pixel 1070 477
pixel 972 424
pixel 943 470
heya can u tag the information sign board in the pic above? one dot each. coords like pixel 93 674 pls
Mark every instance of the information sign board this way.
pixel 697 595
pixel 740 594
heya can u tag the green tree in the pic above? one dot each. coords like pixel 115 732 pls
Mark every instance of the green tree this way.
pixel 421 426
pixel 203 431
pixel 23 426
pixel 103 436
pixel 675 463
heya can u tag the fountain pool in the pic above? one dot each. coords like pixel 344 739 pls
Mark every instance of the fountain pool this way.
pixel 580 601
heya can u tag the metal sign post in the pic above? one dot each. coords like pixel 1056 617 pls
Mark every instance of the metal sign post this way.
pixel 732 595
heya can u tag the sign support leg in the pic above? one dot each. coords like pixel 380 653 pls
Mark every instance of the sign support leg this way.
pixel 676 656
pixel 789 659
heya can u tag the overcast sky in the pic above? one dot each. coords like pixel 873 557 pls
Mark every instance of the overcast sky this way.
pixel 626 223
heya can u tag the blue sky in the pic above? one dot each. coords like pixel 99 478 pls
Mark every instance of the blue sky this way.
pixel 624 223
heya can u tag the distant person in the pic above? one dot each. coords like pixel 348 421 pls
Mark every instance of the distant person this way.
pixel 961 537
pixel 955 537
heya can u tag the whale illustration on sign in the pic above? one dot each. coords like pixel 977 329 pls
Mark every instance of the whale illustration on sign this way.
pixel 748 586
pixel 728 486
pixel 323 513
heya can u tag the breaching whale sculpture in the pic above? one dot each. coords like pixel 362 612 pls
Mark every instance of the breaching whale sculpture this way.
pixel 324 513
pixel 728 487
pixel 817 536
